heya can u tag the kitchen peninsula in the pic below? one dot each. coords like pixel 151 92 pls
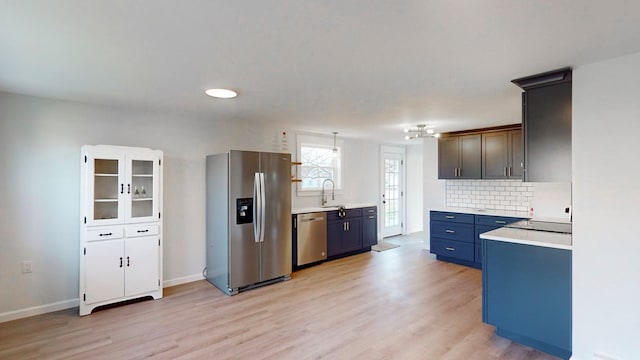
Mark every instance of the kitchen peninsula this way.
pixel 526 285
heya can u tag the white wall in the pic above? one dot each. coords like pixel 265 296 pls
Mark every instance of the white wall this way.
pixel 434 189
pixel 606 226
pixel 414 190
pixel 40 143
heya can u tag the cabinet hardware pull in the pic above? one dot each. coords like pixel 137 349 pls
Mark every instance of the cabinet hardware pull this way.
pixel 347 226
pixel 120 261
pixel 370 211
pixel 449 217
pixel 450 249
pixel 344 226
pixel 372 217
pixel 106 234
pixel 500 222
pixel 121 188
pixel 143 231
pixel 506 171
pixel 509 170
pixel 128 262
pixel 128 188
pixel 449 231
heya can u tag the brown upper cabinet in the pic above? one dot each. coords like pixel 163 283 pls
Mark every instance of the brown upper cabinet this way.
pixel 459 157
pixel 502 155
pixel 546 123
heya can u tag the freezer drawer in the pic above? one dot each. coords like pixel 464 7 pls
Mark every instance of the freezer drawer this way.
pixel 312 238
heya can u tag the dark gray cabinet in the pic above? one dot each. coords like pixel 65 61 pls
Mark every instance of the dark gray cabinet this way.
pixel 459 157
pixel 369 227
pixel 353 233
pixel 546 112
pixel 502 155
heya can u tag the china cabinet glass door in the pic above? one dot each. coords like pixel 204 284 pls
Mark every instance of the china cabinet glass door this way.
pixel 106 190
pixel 142 199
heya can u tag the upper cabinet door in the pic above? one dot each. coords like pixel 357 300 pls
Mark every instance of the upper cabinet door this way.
pixel 104 177
pixel 470 157
pixel 142 187
pixel 448 156
pixel 495 155
pixel 516 154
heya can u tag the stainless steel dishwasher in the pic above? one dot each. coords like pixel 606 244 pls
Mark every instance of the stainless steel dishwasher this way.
pixel 312 238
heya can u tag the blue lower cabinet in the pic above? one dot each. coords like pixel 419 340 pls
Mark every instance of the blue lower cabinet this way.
pixel 526 295
pixel 462 228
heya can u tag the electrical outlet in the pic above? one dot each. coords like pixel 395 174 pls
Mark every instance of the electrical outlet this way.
pixel 27 266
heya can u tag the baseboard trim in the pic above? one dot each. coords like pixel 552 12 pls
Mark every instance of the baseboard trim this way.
pixel 182 280
pixel 66 304
pixel 38 310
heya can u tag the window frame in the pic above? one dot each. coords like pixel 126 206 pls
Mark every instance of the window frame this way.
pixel 318 141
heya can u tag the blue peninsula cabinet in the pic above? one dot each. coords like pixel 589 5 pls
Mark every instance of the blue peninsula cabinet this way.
pixel 526 294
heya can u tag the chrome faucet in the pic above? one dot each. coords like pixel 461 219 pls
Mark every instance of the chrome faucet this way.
pixel 333 191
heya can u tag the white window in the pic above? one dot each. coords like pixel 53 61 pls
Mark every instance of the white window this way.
pixel 320 161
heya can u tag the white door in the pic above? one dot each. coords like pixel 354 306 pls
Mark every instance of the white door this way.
pixel 104 270
pixel 141 265
pixel 393 191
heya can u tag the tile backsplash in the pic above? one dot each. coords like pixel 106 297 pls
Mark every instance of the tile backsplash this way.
pixel 550 200
pixel 490 194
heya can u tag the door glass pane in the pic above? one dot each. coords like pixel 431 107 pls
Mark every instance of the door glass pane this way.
pixel 392 192
pixel 105 189
pixel 142 188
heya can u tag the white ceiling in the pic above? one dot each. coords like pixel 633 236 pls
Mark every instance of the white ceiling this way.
pixel 365 68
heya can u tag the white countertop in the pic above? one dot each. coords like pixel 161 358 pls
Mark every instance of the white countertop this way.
pixel 530 237
pixel 489 212
pixel 329 208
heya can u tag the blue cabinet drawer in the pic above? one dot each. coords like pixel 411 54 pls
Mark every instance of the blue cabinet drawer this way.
pixel 452 231
pixel 495 220
pixel 373 210
pixel 350 213
pixel 452 217
pixel 453 249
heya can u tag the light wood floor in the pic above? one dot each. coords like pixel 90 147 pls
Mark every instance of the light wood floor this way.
pixel 396 304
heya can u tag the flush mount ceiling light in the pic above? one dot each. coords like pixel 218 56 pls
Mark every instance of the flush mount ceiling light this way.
pixel 420 132
pixel 221 93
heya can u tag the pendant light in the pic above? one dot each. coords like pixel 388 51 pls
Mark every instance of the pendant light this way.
pixel 335 149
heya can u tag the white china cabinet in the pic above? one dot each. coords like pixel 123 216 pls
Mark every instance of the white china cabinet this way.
pixel 120 225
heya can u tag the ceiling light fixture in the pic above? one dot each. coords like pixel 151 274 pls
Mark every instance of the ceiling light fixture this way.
pixel 420 132
pixel 335 149
pixel 221 93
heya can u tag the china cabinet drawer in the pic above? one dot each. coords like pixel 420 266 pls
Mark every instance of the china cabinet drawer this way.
pixel 452 231
pixel 453 249
pixel 141 230
pixel 106 233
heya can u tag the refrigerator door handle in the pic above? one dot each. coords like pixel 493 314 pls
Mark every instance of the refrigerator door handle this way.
pixel 256 207
pixel 262 207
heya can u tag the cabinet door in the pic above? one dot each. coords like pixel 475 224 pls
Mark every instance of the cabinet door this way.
pixel 516 154
pixel 141 265
pixel 495 155
pixel 142 187
pixel 370 230
pixel 547 126
pixel 352 236
pixel 470 157
pixel 334 237
pixel 104 270
pixel 448 155
pixel 103 181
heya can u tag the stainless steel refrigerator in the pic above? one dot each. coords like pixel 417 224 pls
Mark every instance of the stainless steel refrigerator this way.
pixel 248 219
